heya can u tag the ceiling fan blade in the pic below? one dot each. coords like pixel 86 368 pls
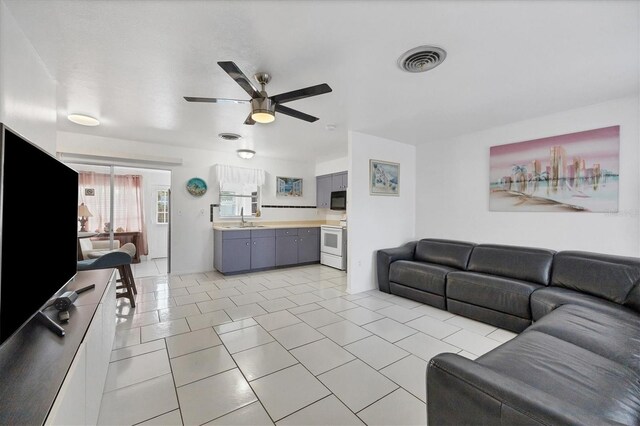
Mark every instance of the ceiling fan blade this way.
pixel 235 73
pixel 295 114
pixel 301 93
pixel 250 121
pixel 215 100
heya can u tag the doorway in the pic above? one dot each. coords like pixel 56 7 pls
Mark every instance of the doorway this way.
pixel 126 205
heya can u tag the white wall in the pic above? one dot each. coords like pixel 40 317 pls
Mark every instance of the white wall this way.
pixel 27 90
pixel 191 230
pixel 377 222
pixel 332 166
pixel 453 196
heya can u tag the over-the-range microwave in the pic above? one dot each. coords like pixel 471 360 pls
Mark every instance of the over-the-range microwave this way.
pixel 338 200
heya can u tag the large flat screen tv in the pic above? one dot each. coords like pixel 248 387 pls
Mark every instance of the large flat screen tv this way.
pixel 38 229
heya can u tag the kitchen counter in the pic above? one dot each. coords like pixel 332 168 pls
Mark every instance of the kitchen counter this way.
pixel 235 225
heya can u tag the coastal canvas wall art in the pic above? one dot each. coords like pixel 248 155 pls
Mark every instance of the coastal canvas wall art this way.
pixel 288 187
pixel 576 172
pixel 384 178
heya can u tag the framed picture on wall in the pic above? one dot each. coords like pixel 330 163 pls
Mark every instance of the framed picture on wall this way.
pixel 384 178
pixel 288 187
pixel 575 172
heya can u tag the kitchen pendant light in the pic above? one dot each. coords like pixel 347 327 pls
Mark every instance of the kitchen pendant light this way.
pixel 245 153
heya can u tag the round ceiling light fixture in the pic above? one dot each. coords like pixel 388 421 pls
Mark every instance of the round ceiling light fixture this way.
pixel 245 153
pixel 229 136
pixel 83 120
pixel 421 58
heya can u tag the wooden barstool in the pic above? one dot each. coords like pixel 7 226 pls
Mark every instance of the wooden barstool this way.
pixel 130 249
pixel 115 259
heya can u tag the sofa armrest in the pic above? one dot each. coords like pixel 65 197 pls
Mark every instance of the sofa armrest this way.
pixel 386 257
pixel 462 391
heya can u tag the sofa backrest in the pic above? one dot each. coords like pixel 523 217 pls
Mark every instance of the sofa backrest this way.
pixel 522 263
pixel 614 278
pixel 444 252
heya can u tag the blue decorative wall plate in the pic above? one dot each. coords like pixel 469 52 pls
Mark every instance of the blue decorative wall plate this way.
pixel 196 187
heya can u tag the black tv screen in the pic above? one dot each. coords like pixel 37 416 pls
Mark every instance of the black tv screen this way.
pixel 39 228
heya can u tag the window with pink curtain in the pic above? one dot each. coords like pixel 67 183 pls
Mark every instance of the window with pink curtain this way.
pixel 128 212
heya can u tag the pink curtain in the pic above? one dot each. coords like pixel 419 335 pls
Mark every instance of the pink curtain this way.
pixel 128 202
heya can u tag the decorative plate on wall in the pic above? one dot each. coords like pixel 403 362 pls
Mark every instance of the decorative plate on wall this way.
pixel 196 187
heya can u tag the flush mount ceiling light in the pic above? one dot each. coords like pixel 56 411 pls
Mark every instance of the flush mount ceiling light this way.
pixel 229 136
pixel 421 58
pixel 245 153
pixel 83 120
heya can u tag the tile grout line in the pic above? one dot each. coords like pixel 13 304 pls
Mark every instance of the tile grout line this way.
pixel 317 279
pixel 175 389
pixel 303 366
pixel 248 383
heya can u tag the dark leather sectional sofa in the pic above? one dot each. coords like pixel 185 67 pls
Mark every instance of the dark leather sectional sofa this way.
pixel 577 358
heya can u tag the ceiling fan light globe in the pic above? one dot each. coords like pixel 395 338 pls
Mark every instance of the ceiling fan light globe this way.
pixel 263 117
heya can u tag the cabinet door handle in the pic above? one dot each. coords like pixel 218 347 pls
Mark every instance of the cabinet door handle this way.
pixel 247 243
pixel 254 243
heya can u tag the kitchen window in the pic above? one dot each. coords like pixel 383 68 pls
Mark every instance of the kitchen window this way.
pixel 235 197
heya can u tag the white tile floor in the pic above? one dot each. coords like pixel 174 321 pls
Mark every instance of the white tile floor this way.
pixel 289 347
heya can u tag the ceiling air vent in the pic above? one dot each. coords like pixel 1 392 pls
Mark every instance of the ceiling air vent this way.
pixel 421 58
pixel 229 136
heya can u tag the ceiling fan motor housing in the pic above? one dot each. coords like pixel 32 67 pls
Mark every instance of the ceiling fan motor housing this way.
pixel 263 105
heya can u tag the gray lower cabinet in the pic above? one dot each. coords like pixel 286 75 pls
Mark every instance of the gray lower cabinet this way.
pixel 245 250
pixel 286 246
pixel 308 245
pixel 263 252
pixel 294 246
pixel 232 251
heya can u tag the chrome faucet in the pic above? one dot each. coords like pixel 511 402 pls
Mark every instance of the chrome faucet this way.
pixel 242 216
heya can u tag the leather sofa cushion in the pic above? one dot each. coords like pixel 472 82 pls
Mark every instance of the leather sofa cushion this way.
pixel 497 293
pixel 420 275
pixel 444 252
pixel 610 277
pixel 615 336
pixel 522 263
pixel 571 374
pixel 546 299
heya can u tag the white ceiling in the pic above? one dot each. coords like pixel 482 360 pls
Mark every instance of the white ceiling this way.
pixel 130 62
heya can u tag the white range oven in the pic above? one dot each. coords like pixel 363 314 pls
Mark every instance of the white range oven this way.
pixel 333 246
